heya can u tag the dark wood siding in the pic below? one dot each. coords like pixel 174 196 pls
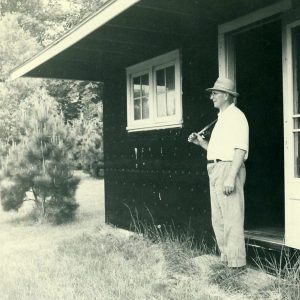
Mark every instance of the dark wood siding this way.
pixel 168 177
pixel 166 182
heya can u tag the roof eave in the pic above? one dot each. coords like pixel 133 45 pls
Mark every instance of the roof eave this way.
pixel 108 11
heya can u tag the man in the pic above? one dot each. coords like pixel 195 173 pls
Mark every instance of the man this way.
pixel 227 150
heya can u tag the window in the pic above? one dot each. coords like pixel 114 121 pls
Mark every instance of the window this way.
pixel 154 93
pixel 141 97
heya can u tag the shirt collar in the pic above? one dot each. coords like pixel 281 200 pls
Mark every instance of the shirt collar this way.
pixel 226 111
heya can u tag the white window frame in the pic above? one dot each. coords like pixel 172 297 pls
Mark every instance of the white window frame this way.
pixel 149 67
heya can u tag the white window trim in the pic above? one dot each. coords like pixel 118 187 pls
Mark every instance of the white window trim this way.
pixel 149 67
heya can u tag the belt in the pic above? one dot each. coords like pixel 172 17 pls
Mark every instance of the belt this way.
pixel 210 161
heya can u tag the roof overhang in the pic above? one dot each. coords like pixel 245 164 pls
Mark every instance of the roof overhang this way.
pixel 122 33
pixel 108 11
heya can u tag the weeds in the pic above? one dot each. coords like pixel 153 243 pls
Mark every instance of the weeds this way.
pixel 178 249
pixel 227 278
pixel 90 260
pixel 126 268
pixel 286 273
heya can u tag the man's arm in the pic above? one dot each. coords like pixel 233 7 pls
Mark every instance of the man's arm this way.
pixel 198 140
pixel 229 183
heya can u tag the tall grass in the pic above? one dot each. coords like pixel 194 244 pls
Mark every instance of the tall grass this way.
pixel 89 260
pixel 181 251
pixel 228 279
pixel 286 273
pixel 178 248
pixel 129 268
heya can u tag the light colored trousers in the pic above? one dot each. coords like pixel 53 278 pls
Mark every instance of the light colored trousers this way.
pixel 227 213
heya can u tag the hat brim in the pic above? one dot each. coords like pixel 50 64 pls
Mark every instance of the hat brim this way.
pixel 235 94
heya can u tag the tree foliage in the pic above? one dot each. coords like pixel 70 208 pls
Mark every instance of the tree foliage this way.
pixel 26 27
pixel 42 162
pixel 88 134
pixel 37 140
pixel 81 105
pixel 17 45
pixel 76 97
pixel 47 20
pixel 37 155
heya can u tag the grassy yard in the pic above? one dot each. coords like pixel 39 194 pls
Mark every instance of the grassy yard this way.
pixel 89 260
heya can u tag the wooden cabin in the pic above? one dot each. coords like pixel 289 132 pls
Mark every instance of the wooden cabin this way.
pixel 156 58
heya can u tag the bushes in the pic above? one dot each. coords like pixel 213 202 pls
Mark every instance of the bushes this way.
pixel 41 163
pixel 80 102
pixel 89 145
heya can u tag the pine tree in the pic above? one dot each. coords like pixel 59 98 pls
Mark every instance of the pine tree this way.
pixel 41 163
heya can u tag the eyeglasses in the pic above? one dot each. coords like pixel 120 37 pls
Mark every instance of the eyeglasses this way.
pixel 215 93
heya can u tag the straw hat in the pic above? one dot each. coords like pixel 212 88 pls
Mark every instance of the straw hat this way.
pixel 224 84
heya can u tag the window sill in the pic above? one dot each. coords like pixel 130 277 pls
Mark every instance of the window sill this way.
pixel 153 127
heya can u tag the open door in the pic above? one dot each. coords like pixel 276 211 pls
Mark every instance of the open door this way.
pixel 259 82
pixel 252 56
pixel 277 159
pixel 291 55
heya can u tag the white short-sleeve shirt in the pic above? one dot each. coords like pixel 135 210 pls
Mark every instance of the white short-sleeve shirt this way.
pixel 230 132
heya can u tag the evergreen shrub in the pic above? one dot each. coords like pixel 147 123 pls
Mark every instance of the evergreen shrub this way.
pixel 41 163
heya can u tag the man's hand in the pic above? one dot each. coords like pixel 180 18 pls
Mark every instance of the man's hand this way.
pixel 228 185
pixel 238 159
pixel 197 139
pixel 193 138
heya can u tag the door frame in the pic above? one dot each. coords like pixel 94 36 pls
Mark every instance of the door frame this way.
pixel 226 54
pixel 226 32
pixel 292 196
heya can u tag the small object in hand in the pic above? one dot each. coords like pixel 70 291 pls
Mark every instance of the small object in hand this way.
pixel 202 135
pixel 205 134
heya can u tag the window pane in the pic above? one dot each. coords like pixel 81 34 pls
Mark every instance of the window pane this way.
pixel 145 108
pixel 165 91
pixel 297 153
pixel 160 81
pixel 137 109
pixel 170 78
pixel 297 123
pixel 161 93
pixel 136 87
pixel 141 104
pixel 161 105
pixel 171 103
pixel 145 85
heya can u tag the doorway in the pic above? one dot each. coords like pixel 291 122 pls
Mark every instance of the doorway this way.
pixel 258 71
